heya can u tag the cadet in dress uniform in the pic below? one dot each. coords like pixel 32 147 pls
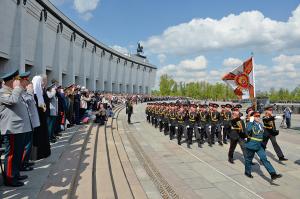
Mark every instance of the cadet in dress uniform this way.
pixel 226 120
pixel 147 111
pixel 255 134
pixel 203 123
pixel 161 116
pixel 172 120
pixel 181 117
pixel 14 124
pixel 237 133
pixel 191 121
pixel 249 110
pixel 166 119
pixel 271 132
pixel 214 119
pixel 28 97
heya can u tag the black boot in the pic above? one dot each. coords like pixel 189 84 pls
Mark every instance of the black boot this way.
pixel 248 175
pixel 274 176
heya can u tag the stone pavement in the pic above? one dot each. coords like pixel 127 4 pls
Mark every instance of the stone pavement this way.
pixel 69 142
pixel 142 162
pixel 205 173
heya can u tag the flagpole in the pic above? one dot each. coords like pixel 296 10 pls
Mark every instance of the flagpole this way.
pixel 254 102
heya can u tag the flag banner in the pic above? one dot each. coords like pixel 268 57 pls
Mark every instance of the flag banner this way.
pixel 241 79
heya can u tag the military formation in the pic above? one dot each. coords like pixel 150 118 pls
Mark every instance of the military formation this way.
pixel 222 124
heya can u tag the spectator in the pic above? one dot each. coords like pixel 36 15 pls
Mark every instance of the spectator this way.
pixel 288 114
pixel 129 111
pixel 52 108
pixel 41 145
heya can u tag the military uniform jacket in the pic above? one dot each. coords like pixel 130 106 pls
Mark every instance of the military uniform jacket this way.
pixel 192 118
pixel 203 119
pixel 181 117
pixel 172 117
pixel 32 108
pixel 14 117
pixel 255 132
pixel 269 126
pixel 226 119
pixel 237 129
pixel 214 118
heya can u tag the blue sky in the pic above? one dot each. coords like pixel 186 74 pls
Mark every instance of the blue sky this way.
pixel 200 40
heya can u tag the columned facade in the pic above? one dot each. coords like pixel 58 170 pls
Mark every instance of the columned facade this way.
pixel 36 36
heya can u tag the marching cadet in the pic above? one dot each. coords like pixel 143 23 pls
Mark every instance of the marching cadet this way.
pixel 226 121
pixel 203 123
pixel 181 117
pixel 271 132
pixel 172 120
pixel 153 114
pixel 191 121
pixel 237 133
pixel 160 116
pixel 214 118
pixel 147 111
pixel 28 97
pixel 14 124
pixel 166 119
pixel 249 110
pixel 156 114
pixel 255 134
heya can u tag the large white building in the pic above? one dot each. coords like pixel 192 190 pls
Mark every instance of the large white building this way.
pixel 36 36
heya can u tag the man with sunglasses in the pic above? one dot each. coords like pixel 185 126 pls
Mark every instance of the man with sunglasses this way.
pixel 255 134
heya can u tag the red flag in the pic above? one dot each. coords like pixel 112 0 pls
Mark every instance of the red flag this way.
pixel 241 79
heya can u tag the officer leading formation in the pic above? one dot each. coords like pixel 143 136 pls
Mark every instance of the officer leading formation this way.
pixel 208 125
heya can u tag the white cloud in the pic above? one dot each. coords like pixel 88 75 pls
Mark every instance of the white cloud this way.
pixel 121 49
pixel 161 58
pixel 83 6
pixel 186 70
pixel 246 30
pixel 86 16
pixel 232 62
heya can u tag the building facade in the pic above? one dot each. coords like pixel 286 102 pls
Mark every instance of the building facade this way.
pixel 36 36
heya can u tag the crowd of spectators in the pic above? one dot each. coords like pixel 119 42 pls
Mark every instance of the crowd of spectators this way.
pixel 51 109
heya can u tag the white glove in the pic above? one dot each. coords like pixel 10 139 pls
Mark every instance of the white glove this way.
pixel 199 127
pixel 176 127
pixel 169 124
pixel 278 117
pixel 251 119
pixel 209 127
pixel 242 118
pixel 187 126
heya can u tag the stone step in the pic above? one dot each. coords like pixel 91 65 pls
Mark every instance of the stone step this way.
pixel 63 173
pixel 136 187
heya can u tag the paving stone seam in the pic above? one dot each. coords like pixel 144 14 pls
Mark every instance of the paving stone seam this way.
pixel 113 136
pixel 164 187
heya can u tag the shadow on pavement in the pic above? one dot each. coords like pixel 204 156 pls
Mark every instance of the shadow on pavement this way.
pixel 297 162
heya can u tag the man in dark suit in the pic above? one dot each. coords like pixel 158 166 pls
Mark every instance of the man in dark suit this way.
pixel 129 111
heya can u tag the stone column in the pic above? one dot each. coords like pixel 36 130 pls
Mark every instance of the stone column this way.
pixel 39 56
pixel 82 71
pixel 93 73
pixel 101 71
pixel 17 58
pixel 57 66
pixel 70 66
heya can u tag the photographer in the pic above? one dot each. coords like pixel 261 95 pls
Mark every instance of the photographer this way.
pixel 270 132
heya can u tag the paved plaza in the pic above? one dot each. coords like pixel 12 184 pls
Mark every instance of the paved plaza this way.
pixel 135 160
